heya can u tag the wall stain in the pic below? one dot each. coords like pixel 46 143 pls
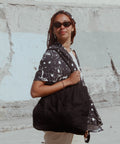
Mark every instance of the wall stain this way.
pixel 2 14
pixel 95 13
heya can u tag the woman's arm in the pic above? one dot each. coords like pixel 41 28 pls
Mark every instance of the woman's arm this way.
pixel 39 89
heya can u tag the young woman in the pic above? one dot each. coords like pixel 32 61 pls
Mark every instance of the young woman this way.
pixel 63 110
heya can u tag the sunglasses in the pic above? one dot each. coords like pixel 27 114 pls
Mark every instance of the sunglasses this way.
pixel 65 24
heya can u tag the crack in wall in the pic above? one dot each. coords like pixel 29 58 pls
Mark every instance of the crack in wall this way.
pixel 116 74
pixel 5 69
pixel 21 4
pixel 114 68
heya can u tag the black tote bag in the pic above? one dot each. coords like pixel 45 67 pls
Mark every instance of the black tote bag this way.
pixel 63 111
pixel 68 110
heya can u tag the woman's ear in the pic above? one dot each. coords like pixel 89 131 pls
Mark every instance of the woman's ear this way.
pixel 72 28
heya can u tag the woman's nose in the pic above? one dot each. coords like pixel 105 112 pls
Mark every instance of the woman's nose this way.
pixel 62 26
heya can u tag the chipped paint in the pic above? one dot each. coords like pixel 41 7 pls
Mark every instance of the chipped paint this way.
pixel 5 69
pixel 26 27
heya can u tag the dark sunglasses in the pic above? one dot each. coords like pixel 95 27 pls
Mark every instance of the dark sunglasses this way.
pixel 65 24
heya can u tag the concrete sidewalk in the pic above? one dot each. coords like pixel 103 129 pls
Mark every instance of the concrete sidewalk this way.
pixel 110 135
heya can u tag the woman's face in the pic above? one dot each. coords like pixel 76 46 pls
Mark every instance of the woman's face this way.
pixel 62 32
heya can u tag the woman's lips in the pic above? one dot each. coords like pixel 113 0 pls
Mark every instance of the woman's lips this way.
pixel 62 32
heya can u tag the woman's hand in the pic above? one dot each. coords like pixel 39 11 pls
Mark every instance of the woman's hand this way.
pixel 74 77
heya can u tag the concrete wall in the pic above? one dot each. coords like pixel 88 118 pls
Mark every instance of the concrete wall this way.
pixel 23 34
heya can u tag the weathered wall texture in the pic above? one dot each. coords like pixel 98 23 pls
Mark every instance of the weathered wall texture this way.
pixel 23 34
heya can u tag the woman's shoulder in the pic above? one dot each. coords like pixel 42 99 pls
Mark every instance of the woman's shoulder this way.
pixel 50 53
pixel 54 46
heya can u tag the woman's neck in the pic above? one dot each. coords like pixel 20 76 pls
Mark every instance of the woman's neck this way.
pixel 66 45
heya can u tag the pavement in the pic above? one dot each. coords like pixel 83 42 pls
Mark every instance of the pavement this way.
pixel 111 134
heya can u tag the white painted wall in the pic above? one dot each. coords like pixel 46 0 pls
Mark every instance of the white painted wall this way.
pixel 23 34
